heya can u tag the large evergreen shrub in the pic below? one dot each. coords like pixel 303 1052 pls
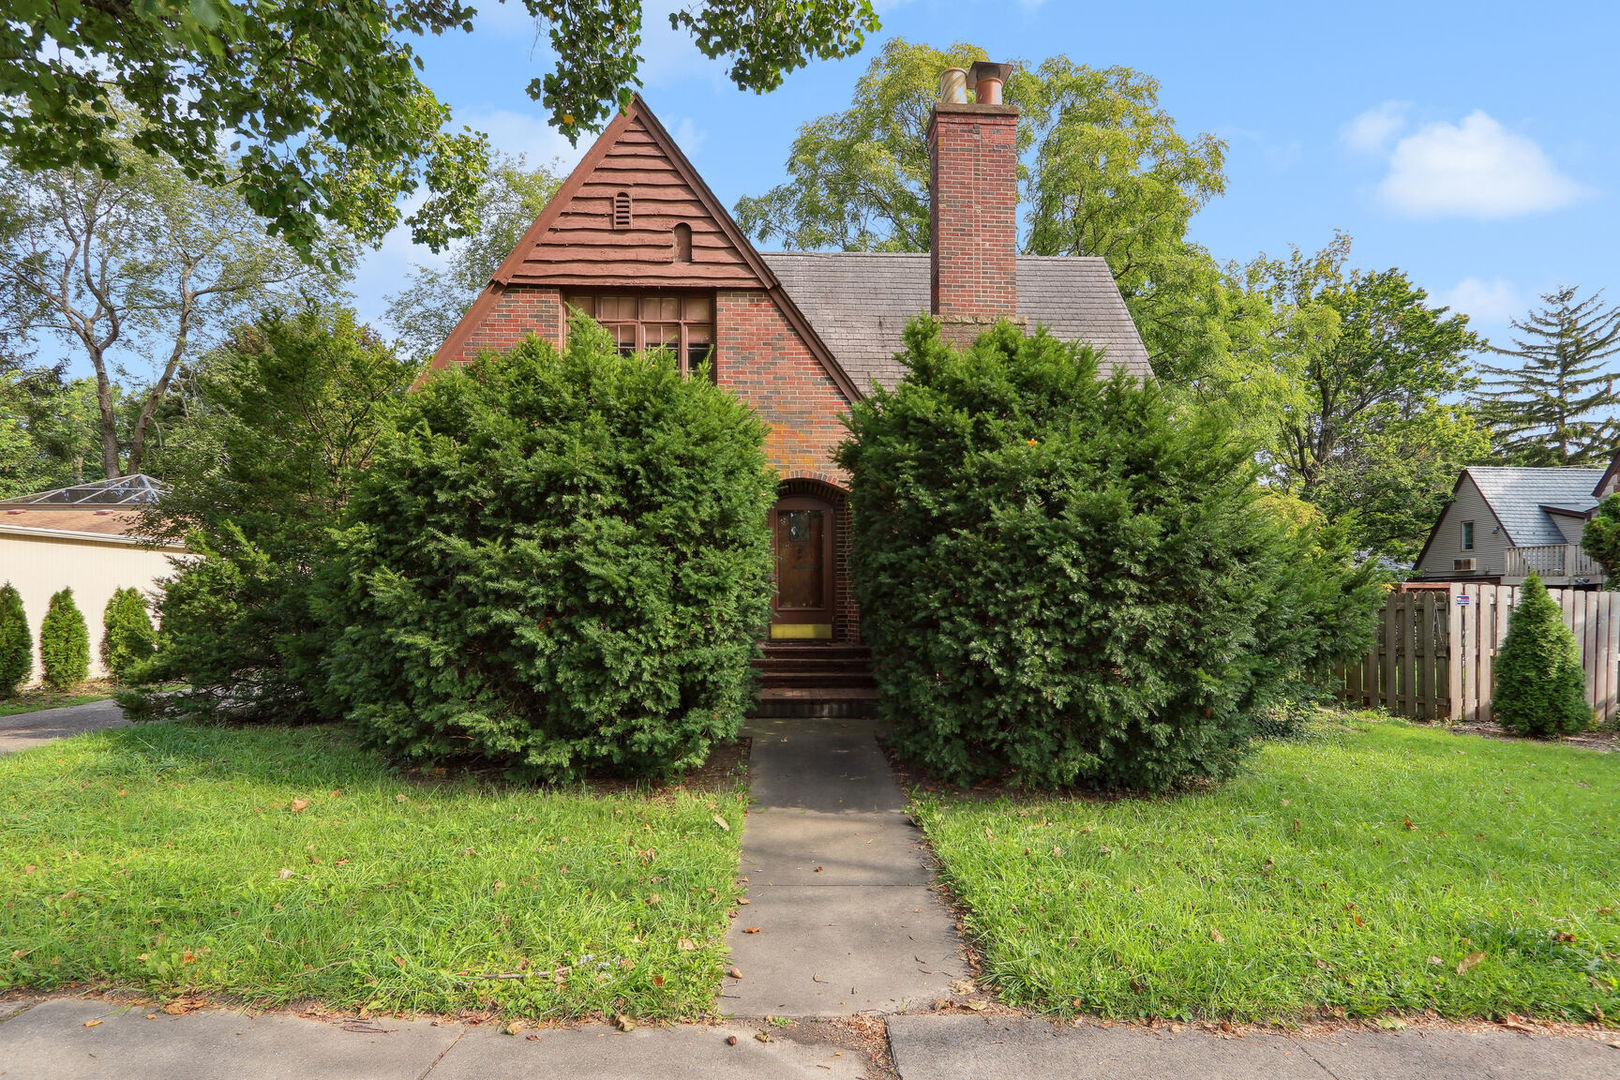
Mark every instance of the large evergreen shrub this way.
pixel 127 637
pixel 1073 581
pixel 16 643
pixel 563 565
pixel 64 643
pixel 1540 686
pixel 284 415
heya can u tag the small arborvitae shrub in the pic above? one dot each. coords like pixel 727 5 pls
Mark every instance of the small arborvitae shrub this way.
pixel 127 637
pixel 64 643
pixel 1067 580
pixel 1540 686
pixel 16 644
pixel 562 566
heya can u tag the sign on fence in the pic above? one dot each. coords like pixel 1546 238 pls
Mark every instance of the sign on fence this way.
pixel 1435 649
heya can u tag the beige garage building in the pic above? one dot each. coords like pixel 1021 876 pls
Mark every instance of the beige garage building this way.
pixel 86 538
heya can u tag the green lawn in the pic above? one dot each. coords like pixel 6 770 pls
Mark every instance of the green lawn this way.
pixel 1358 870
pixel 167 859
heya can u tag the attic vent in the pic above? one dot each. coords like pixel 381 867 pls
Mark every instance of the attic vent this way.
pixel 621 210
pixel 683 242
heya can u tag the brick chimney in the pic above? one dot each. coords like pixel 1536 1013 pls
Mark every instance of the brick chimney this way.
pixel 973 211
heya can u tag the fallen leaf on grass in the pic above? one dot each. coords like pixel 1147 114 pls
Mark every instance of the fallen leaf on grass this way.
pixel 722 822
pixel 285 873
pixel 1435 961
pixel 750 929
pixel 658 981
pixel 1469 962
pixel 686 945
pixel 298 806
pixel 91 1023
pixel 1215 936
pixel 653 900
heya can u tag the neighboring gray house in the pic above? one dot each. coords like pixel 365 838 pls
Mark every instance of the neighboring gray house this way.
pixel 1504 522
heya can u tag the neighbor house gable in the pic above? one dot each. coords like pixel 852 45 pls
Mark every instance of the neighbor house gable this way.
pixel 1444 542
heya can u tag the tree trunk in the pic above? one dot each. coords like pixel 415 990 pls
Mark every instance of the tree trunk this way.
pixel 107 416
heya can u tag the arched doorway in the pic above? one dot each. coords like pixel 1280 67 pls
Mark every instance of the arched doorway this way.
pixel 802 541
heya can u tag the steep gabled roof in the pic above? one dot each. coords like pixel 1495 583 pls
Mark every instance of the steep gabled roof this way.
pixel 567 245
pixel 859 302
pixel 1517 496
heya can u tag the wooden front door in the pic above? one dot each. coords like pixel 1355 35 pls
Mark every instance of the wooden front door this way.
pixel 802 538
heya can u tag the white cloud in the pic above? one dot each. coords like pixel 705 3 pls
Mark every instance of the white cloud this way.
pixel 1371 132
pixel 1494 301
pixel 514 133
pixel 1474 169
pixel 689 137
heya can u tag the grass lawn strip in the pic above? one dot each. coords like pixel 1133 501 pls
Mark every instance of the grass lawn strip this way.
pixel 40 697
pixel 275 865
pixel 1372 867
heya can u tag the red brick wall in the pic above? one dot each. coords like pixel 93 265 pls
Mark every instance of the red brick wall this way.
pixel 973 152
pixel 514 313
pixel 762 359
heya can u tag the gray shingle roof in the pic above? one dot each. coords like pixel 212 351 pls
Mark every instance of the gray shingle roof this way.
pixel 1517 495
pixel 859 302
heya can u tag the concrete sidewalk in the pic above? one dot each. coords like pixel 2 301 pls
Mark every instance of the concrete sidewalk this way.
pixel 989 1048
pixel 49 1040
pixel 841 918
pixel 26 730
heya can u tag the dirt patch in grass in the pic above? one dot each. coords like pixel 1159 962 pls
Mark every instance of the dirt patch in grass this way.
pixel 1606 741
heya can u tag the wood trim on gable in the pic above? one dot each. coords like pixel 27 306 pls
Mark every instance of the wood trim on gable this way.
pixel 755 273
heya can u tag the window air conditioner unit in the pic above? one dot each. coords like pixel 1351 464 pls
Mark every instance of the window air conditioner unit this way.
pixel 1463 566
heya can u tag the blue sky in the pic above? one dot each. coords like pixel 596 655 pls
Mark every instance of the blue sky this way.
pixel 1475 146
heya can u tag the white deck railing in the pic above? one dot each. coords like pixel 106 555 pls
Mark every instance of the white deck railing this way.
pixel 1560 562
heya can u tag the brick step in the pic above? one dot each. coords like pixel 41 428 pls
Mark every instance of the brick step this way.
pixel 844 654
pixel 830 702
pixel 813 679
pixel 772 663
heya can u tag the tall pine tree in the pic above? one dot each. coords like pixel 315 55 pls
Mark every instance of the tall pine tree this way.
pixel 1558 407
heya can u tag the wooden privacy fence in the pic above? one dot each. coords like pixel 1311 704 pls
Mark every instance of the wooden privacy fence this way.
pixel 1435 649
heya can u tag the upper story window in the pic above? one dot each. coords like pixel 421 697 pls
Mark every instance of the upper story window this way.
pixel 681 324
pixel 1468 536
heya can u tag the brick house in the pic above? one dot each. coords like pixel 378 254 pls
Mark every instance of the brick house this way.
pixel 635 239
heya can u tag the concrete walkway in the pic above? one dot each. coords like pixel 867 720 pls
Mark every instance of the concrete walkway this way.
pixel 51 1041
pixel 841 918
pixel 989 1048
pixel 30 729
pixel 72 1039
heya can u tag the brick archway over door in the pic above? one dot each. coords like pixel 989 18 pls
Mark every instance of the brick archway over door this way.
pixel 846 620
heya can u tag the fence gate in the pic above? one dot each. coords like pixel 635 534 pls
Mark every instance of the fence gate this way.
pixel 1434 650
